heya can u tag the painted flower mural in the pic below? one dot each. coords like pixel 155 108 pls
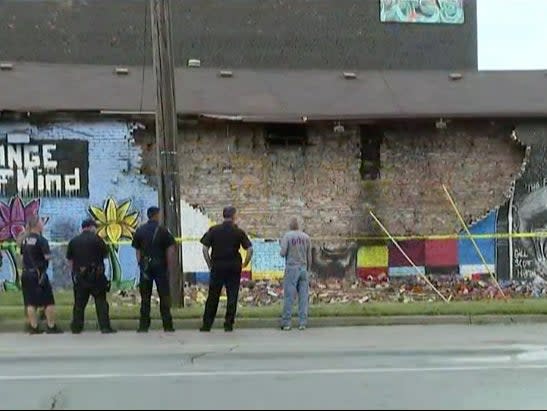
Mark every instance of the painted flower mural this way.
pixel 13 219
pixel 115 222
pixel 14 215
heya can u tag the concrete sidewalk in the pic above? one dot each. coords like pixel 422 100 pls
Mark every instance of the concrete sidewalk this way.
pixel 245 323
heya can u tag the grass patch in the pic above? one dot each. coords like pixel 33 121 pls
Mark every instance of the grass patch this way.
pixel 9 299
pixel 11 308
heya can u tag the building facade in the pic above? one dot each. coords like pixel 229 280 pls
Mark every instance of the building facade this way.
pixel 325 109
pixel 332 178
pixel 295 34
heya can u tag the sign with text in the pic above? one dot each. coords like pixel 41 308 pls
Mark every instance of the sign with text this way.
pixel 52 168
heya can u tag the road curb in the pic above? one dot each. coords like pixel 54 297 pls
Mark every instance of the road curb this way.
pixel 189 324
pixel 508 319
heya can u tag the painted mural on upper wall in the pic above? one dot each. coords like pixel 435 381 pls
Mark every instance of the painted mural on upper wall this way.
pixel 422 11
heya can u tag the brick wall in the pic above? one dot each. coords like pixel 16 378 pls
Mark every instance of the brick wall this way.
pixel 232 165
pixel 476 160
pixel 225 163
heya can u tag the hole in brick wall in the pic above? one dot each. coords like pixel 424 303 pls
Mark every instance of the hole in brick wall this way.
pixel 253 140
pixel 371 143
pixel 286 135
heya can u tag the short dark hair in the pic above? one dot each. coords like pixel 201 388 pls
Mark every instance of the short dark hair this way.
pixel 229 212
pixel 88 222
pixel 152 212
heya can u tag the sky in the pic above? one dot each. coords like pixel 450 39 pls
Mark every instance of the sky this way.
pixel 512 34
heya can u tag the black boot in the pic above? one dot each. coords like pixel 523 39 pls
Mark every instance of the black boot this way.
pixel 34 331
pixel 54 330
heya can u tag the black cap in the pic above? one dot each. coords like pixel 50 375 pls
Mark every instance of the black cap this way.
pixel 89 222
pixel 229 212
pixel 152 211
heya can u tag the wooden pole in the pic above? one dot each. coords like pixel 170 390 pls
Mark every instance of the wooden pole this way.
pixel 166 134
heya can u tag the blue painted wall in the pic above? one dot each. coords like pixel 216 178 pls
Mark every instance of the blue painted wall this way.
pixel 114 166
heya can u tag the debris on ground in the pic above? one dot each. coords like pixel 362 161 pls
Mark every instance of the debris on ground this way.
pixel 336 291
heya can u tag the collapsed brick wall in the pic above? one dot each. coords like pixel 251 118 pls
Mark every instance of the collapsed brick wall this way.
pixel 477 161
pixel 228 163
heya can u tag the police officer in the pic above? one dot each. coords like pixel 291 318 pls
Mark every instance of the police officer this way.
pixel 155 247
pixel 225 266
pixel 86 253
pixel 37 291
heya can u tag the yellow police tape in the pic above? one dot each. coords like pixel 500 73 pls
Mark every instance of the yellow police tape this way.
pixel 487 236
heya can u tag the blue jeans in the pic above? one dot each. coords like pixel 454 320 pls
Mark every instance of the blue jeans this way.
pixel 295 282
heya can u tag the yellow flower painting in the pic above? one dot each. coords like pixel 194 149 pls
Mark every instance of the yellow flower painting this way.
pixel 115 223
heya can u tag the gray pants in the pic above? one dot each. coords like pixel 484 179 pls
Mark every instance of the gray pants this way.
pixel 295 282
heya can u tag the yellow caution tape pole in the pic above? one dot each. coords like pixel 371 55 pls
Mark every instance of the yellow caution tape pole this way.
pixel 464 225
pixel 407 257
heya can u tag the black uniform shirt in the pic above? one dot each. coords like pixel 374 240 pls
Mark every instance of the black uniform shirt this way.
pixel 34 249
pixel 157 249
pixel 225 240
pixel 85 250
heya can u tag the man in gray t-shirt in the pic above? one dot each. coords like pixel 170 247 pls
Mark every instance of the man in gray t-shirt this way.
pixel 296 248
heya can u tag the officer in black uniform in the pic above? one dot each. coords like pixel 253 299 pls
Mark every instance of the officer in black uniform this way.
pixel 225 266
pixel 37 291
pixel 86 253
pixel 155 248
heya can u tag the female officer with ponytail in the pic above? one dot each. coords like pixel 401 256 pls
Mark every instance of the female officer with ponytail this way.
pixel 37 291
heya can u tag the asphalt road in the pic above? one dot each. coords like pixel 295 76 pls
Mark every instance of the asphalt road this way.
pixel 399 367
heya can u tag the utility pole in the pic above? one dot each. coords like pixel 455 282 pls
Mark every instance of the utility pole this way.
pixel 166 134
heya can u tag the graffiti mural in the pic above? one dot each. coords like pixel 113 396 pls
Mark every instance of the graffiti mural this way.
pixel 114 223
pixel 442 257
pixel 44 169
pixel 72 166
pixel 380 261
pixel 13 219
pixel 267 262
pixel 422 11
pixel 373 262
pixel 335 262
pixel 529 214
pixel 458 257
pixel 470 262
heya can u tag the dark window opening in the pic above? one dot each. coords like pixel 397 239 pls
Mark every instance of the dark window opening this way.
pixel 284 135
pixel 371 142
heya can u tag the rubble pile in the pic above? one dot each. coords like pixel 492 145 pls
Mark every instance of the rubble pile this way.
pixel 263 293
